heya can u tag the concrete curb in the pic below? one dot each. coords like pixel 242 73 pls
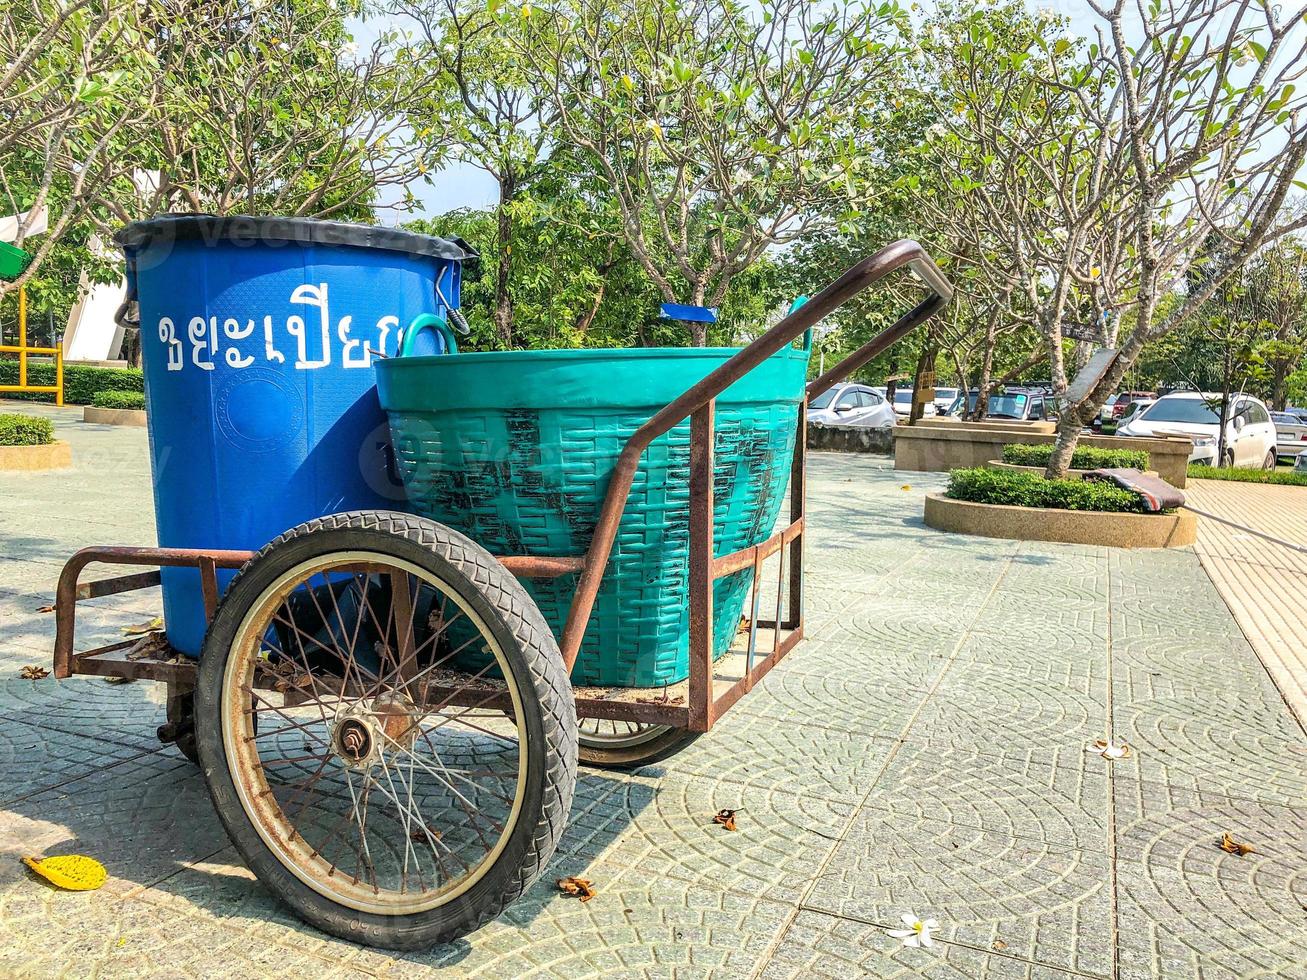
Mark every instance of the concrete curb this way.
pixel 1067 526
pixel 56 455
pixel 113 416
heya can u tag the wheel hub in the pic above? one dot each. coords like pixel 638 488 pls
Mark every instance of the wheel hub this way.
pixel 364 732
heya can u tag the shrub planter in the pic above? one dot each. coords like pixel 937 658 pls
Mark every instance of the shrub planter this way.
pixel 113 416
pixel 998 464
pixel 949 445
pixel 1173 530
pixel 51 456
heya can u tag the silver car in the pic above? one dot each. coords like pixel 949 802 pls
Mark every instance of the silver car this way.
pixel 1290 434
pixel 851 404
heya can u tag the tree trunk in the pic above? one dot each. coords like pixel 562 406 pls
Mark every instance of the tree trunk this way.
pixel 503 315
pixel 986 372
pixel 1064 446
pixel 698 331
pixel 1227 369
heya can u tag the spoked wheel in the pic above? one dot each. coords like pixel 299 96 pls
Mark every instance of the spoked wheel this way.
pixel 385 796
pixel 609 744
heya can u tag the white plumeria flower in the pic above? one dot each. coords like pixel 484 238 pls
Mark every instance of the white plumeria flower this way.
pixel 917 933
pixel 349 49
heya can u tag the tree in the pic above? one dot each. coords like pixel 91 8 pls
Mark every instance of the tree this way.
pixel 721 132
pixel 68 113
pixel 261 108
pixel 1100 169
pixel 483 108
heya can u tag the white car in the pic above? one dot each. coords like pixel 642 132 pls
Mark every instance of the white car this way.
pixel 903 403
pixel 851 404
pixel 1290 433
pixel 944 397
pixel 1249 432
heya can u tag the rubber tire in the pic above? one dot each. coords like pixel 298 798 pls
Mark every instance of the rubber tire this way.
pixel 1228 462
pixel 1271 461
pixel 633 757
pixel 547 700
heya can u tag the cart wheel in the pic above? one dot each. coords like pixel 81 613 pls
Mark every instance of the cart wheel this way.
pixel 179 728
pixel 628 744
pixel 378 797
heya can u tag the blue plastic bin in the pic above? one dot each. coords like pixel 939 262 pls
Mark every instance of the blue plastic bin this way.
pixel 258 337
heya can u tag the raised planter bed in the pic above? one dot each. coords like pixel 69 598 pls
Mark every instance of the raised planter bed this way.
pixel 1173 530
pixel 948 446
pixel 113 416
pixel 55 455
pixel 998 464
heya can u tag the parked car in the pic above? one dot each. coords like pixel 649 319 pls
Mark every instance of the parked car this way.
pixel 1300 465
pixel 1249 434
pixel 1116 406
pixel 1300 412
pixel 851 404
pixel 1290 433
pixel 903 403
pixel 1134 408
pixel 944 398
pixel 1012 403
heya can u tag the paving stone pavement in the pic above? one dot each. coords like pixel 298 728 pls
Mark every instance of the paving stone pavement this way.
pixel 923 750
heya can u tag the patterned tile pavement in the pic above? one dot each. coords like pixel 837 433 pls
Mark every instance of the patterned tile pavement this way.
pixel 924 750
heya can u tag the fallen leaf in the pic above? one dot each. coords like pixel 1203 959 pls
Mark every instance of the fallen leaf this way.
pixel 287 683
pixel 45 609
pixel 115 679
pixel 582 888
pixel 33 673
pixel 1000 945
pixel 726 818
pixel 76 872
pixel 906 486
pixel 1228 843
pixel 149 645
pixel 140 629
pixel 422 835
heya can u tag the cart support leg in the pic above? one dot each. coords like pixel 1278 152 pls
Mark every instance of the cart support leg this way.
pixel 798 494
pixel 701 559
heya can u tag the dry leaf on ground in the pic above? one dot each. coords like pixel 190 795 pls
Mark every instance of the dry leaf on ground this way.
pixel 139 629
pixel 149 645
pixel 726 818
pixel 582 888
pixel 45 609
pixel 1228 843
pixel 116 679
pixel 33 673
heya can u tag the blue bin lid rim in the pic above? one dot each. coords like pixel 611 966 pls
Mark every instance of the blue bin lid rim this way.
pixel 306 231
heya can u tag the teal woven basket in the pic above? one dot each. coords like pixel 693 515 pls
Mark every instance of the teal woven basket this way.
pixel 515 450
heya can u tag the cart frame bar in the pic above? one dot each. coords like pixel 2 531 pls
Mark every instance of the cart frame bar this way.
pixel 706 698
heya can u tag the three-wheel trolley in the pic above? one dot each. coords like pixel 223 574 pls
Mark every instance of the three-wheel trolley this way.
pixel 387 723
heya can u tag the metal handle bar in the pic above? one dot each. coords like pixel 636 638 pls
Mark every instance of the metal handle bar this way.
pixel 857 278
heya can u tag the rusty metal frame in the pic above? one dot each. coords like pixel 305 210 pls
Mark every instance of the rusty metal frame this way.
pixel 703 702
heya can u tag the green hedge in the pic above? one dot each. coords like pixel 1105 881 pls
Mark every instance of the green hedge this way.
pixel 1288 478
pixel 119 399
pixel 81 382
pixel 1084 458
pixel 985 486
pixel 25 430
